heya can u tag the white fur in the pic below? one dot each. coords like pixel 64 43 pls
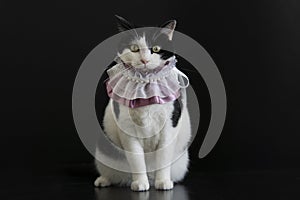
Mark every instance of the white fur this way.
pixel 146 129
pixel 163 177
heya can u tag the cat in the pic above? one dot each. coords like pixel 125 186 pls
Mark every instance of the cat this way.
pixel 159 124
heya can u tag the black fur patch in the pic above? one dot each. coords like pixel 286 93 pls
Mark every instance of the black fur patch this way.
pixel 176 113
pixel 116 109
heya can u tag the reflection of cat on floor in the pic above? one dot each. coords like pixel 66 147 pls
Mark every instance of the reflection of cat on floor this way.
pixel 178 193
pixel 147 111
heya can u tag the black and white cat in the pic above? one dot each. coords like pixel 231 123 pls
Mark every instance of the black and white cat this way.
pixel 150 118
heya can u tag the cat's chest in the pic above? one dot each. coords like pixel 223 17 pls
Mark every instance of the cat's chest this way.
pixel 145 122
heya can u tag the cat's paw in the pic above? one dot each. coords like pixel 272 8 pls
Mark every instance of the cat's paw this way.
pixel 164 184
pixel 140 185
pixel 102 182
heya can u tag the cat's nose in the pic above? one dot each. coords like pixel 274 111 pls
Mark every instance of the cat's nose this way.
pixel 144 61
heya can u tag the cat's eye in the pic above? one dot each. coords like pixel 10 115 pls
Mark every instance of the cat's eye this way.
pixel 134 48
pixel 156 49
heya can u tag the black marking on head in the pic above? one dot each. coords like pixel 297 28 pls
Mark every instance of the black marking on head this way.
pixel 125 41
pixel 176 113
pixel 131 34
pixel 163 41
pixel 116 109
pixel 161 38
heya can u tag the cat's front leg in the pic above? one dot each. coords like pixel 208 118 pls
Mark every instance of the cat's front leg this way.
pixel 136 160
pixel 163 180
pixel 163 174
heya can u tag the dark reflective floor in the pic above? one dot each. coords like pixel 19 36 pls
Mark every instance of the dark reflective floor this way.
pixel 76 182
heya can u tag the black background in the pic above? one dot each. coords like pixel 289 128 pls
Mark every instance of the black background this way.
pixel 255 45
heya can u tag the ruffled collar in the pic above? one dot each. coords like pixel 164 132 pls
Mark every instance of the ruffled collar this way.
pixel 135 87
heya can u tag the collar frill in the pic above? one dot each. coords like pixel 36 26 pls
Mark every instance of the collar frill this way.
pixel 134 87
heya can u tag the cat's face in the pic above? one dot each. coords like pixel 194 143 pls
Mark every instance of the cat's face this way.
pixel 146 50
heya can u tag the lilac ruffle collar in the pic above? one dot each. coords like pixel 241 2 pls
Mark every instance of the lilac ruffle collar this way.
pixel 134 87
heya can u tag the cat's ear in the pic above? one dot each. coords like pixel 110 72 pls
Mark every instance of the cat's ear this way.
pixel 168 28
pixel 123 24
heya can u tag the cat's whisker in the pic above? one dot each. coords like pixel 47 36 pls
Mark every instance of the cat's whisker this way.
pixel 190 70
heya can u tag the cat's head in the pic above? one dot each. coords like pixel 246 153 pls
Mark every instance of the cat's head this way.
pixel 145 50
